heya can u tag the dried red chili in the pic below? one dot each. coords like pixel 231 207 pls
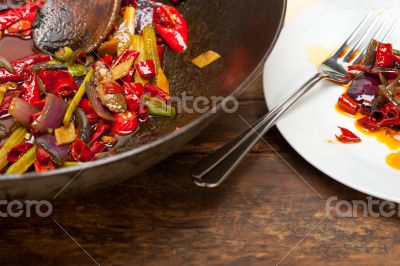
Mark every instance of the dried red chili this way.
pixel 43 161
pixel 51 78
pixel 101 129
pixel 30 90
pixel 12 16
pixel 80 152
pixel 90 112
pixel 20 66
pixel 155 91
pixel 98 147
pixel 347 136
pixel 16 152
pixel 65 86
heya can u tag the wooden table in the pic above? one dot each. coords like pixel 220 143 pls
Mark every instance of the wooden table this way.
pixel 270 211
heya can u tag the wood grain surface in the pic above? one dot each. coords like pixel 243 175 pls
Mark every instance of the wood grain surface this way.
pixel 271 211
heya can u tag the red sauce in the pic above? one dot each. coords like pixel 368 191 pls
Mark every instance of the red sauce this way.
pixel 14 48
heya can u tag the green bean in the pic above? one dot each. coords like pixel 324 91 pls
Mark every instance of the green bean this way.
pixel 23 163
pixel 15 138
pixel 77 98
pixel 158 107
pixel 77 70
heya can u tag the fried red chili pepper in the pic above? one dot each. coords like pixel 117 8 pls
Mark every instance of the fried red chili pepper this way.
pixel 98 147
pixel 43 161
pixel 90 112
pixel 172 27
pixel 20 66
pixel 125 123
pixel 51 79
pixel 133 92
pixel 30 90
pixel 12 16
pixel 347 104
pixel 101 129
pixel 155 91
pixel 146 69
pixel 347 136
pixel 64 87
pixel 80 152
pixel 388 116
pixel 16 152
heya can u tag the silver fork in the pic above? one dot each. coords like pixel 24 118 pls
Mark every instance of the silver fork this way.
pixel 214 169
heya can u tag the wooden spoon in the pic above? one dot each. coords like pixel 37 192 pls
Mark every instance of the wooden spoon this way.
pixel 79 24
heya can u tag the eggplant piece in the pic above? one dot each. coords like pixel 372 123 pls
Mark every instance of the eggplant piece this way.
pixel 78 24
pixel 114 102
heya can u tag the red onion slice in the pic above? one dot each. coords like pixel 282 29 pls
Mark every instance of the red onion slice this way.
pixel 52 114
pixel 22 111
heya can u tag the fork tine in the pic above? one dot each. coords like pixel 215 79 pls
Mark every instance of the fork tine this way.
pixel 353 35
pixel 376 35
pixel 363 38
pixel 389 32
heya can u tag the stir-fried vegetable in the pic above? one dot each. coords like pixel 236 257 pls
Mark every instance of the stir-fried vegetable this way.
pixel 71 107
pixel 15 138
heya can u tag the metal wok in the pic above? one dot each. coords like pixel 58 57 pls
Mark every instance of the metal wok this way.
pixel 241 31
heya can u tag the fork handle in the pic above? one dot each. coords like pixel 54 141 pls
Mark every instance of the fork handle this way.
pixel 215 168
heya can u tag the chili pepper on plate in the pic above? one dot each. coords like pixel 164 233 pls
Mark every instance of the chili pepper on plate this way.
pixel 347 104
pixel 347 136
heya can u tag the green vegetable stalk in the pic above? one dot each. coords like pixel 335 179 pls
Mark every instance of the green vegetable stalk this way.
pixel 150 44
pixel 77 98
pixel 15 138
pixel 138 45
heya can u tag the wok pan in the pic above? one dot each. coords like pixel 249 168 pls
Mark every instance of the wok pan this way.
pixel 241 31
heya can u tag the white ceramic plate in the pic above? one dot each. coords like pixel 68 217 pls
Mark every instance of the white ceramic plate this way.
pixel 313 120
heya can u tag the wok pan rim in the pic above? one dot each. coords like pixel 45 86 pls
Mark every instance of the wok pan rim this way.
pixel 79 168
